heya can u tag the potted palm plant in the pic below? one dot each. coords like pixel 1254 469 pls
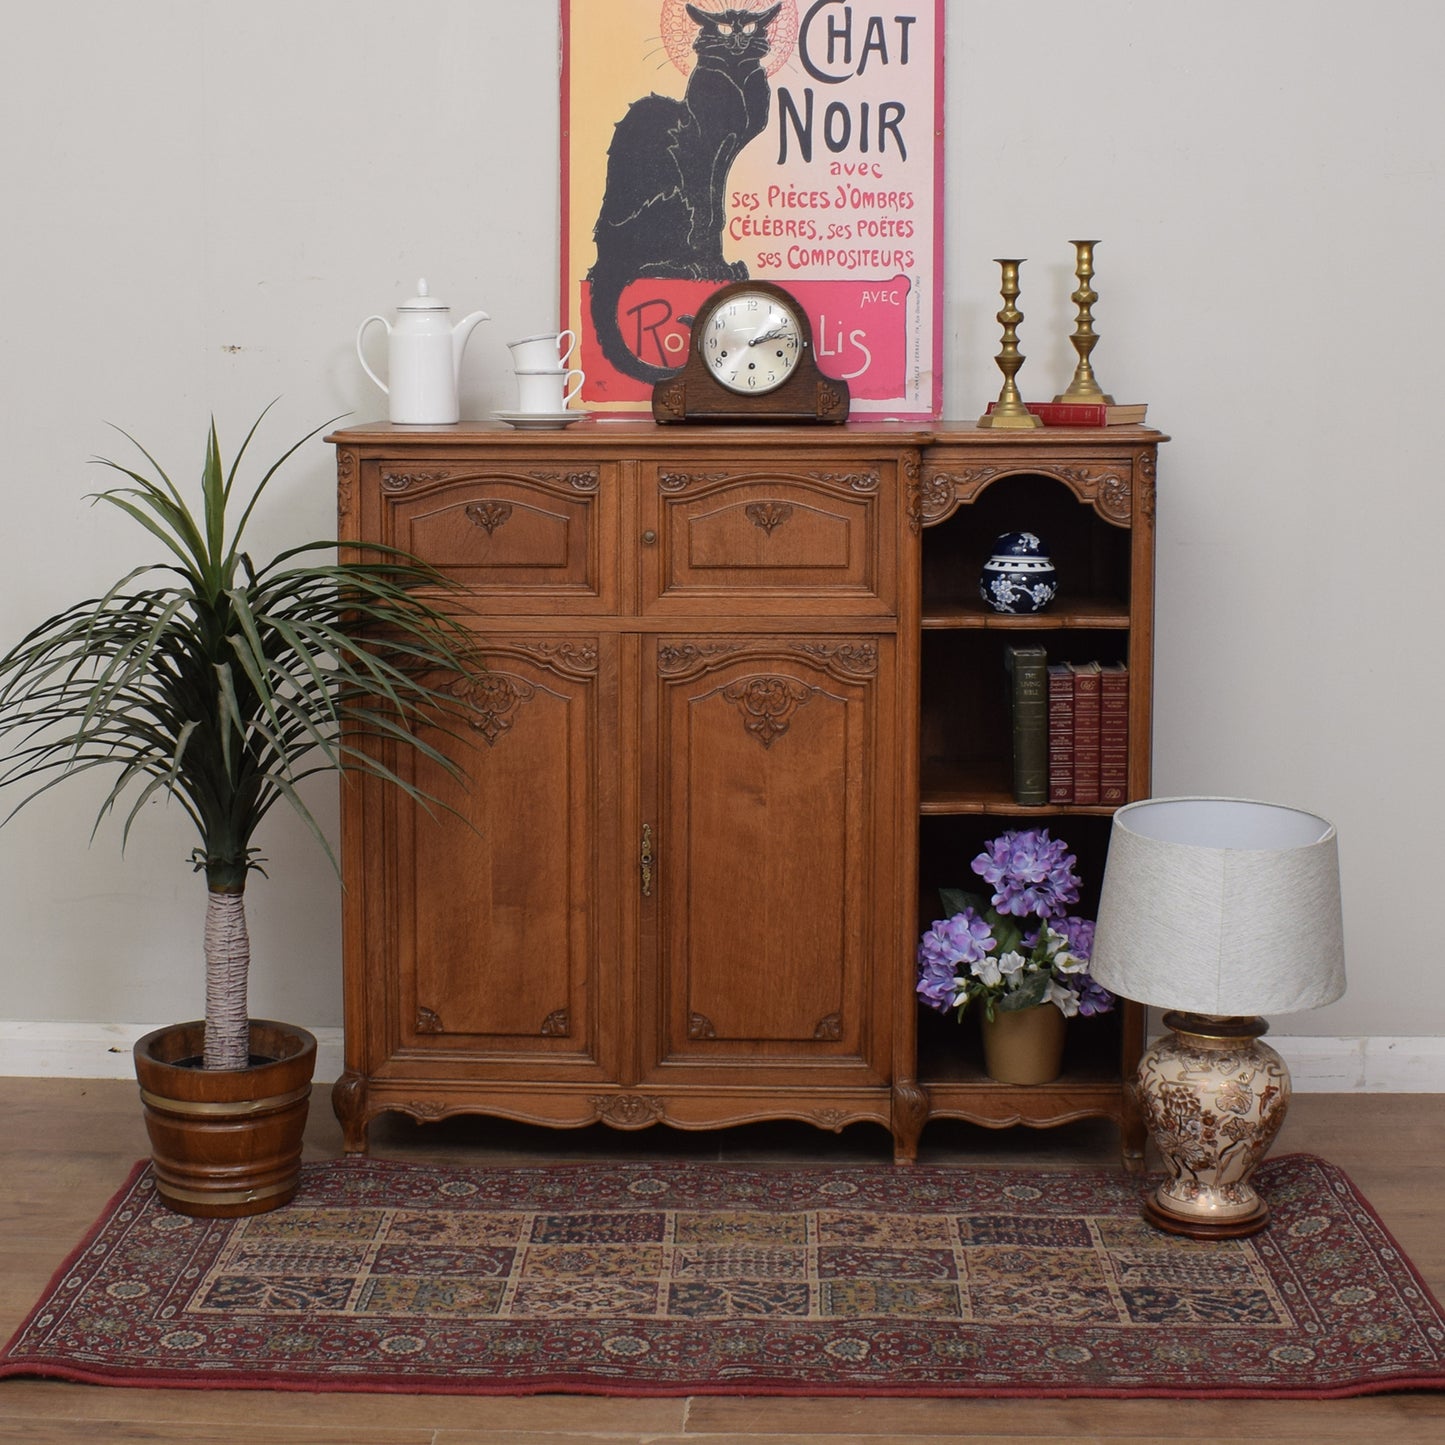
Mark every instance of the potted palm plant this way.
pixel 223 684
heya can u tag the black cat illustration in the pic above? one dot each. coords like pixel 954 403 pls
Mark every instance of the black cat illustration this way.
pixel 667 171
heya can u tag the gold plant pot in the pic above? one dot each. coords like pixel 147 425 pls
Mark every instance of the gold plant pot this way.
pixel 1025 1046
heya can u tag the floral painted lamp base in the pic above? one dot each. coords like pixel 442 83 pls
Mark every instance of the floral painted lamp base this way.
pixel 1023 1046
pixel 1213 1099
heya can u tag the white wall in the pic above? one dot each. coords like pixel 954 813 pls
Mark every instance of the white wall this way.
pixel 203 199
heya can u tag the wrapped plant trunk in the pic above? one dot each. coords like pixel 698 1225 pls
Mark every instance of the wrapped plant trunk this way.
pixel 228 963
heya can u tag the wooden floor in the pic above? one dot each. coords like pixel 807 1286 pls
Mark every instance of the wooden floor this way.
pixel 66 1145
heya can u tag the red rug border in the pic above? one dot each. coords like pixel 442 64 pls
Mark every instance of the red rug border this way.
pixel 126 1377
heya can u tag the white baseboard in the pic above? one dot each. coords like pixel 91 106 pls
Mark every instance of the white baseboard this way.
pixel 103 1051
pixel 1317 1065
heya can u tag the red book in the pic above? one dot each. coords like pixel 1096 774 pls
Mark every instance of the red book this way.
pixel 1061 733
pixel 1114 734
pixel 1086 731
pixel 1085 413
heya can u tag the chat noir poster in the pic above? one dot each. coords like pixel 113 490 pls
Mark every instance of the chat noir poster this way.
pixel 792 141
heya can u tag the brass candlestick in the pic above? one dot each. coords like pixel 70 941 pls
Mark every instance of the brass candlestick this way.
pixel 1084 386
pixel 1009 410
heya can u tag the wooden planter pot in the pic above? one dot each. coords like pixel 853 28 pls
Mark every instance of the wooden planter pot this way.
pixel 226 1142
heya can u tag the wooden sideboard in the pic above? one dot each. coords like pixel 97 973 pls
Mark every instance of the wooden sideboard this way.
pixel 737 713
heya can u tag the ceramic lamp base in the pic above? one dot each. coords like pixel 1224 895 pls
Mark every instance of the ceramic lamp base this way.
pixel 1213 1099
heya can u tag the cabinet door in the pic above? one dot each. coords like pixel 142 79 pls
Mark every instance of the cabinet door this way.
pixel 771 806
pixel 503 945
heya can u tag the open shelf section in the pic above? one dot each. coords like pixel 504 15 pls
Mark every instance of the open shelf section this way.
pixel 1089 498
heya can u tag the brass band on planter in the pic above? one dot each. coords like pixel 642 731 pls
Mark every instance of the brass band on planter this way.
pixel 239 1109
pixel 230 1196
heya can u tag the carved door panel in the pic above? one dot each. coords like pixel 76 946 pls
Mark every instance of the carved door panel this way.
pixel 768 890
pixel 522 535
pixel 751 537
pixel 506 946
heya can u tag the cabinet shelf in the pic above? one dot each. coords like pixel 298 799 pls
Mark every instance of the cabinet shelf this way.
pixel 953 788
pixel 1099 613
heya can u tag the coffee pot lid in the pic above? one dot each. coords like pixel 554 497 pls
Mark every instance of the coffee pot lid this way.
pixel 423 301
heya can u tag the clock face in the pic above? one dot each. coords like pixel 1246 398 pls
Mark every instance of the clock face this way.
pixel 752 343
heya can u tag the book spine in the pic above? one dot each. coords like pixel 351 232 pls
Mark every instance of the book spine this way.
pixel 1028 675
pixel 1086 732
pixel 1114 734
pixel 1061 733
pixel 1084 413
pixel 1067 413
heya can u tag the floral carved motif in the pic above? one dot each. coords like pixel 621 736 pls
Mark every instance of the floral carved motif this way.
pixel 768 515
pixel 672 400
pixel 829 1029
pixel 681 481
pixel 854 481
pixel 1106 487
pixel 401 481
pixel 427 1022
pixel 675 658
pixel 699 1026
pixel 345 481
pixel 1146 470
pixel 488 515
pixel 557 1025
pixel 578 481
pixel 850 657
pixel 575 657
pixel 937 494
pixel 628 1111
pixel 492 699
pixel 767 704
pixel 830 401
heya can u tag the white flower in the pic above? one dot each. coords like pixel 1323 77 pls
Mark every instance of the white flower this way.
pixel 1011 963
pixel 987 972
pixel 1066 1000
pixel 1067 962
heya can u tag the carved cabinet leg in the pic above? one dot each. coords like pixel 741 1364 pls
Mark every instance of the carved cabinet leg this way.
pixel 910 1113
pixel 348 1099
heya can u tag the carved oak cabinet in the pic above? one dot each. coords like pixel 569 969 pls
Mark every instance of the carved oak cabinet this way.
pixel 736 714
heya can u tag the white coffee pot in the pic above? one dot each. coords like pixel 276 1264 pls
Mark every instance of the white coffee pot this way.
pixel 423 359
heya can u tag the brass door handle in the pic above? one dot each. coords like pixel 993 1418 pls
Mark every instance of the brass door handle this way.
pixel 646 860
pixel 649 538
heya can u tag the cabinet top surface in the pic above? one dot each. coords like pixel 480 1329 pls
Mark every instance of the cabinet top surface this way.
pixel 637 434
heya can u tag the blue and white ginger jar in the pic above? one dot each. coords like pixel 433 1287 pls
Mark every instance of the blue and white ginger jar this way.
pixel 1019 577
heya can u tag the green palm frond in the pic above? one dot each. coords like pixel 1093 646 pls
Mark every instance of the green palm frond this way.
pixel 223 684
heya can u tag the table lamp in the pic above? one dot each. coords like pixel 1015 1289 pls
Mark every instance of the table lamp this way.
pixel 1218 910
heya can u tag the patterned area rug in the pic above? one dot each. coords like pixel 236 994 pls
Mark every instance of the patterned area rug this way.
pixel 672 1279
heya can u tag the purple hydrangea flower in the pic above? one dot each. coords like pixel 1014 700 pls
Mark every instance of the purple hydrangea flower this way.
pixel 1094 998
pixel 1030 873
pixel 963 939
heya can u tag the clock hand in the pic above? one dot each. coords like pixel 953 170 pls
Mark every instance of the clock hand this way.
pixel 777 334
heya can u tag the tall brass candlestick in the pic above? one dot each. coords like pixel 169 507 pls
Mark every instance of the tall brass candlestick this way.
pixel 1009 410
pixel 1084 386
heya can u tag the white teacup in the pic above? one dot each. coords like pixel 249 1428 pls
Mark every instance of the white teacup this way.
pixel 547 351
pixel 547 391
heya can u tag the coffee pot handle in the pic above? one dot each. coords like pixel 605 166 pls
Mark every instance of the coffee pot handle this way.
pixel 361 356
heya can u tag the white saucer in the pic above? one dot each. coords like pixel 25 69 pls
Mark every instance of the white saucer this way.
pixel 540 420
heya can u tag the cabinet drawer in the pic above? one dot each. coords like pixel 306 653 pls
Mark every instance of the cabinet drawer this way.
pixel 516 535
pixel 747 535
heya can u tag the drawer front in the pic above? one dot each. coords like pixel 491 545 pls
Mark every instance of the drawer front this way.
pixel 518 535
pixel 747 536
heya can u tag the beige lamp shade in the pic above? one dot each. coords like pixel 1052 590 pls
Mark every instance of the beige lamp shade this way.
pixel 1220 906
